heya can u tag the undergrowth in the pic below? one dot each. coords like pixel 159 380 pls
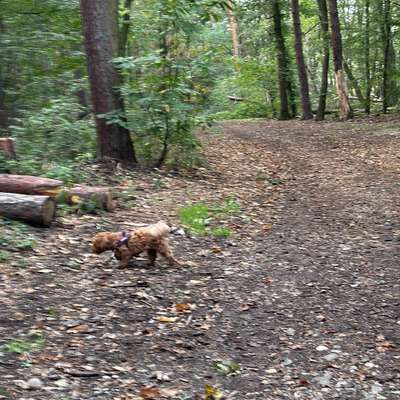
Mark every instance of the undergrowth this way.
pixel 14 236
pixel 203 219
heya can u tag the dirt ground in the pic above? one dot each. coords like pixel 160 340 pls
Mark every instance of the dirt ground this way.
pixel 302 301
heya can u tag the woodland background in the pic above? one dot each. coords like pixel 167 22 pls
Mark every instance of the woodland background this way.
pixel 174 65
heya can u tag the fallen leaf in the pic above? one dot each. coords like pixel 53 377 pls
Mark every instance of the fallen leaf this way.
pixel 75 199
pixel 164 319
pixel 212 393
pixel 83 328
pixel 150 393
pixel 182 307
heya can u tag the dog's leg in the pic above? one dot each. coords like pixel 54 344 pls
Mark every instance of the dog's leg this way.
pixel 124 260
pixel 165 250
pixel 152 254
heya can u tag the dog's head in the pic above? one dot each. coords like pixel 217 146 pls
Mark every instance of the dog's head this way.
pixel 105 241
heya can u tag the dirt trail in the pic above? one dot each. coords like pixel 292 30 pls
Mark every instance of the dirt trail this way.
pixel 304 297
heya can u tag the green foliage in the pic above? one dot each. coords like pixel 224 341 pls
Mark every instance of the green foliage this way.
pixel 79 206
pixel 4 255
pixel 227 207
pixel 221 232
pixel 31 342
pixel 254 83
pixel 15 236
pixel 165 82
pixel 56 132
pixel 52 142
pixel 196 217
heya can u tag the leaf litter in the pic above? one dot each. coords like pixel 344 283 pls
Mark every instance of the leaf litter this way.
pixel 308 275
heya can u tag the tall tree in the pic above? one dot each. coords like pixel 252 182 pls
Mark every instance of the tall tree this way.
pixel 367 51
pixel 124 31
pixel 285 88
pixel 324 23
pixel 100 28
pixel 301 65
pixel 345 111
pixel 389 84
pixel 234 31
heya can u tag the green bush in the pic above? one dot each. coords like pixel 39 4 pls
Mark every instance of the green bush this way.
pixel 52 142
pixel 253 83
pixel 55 132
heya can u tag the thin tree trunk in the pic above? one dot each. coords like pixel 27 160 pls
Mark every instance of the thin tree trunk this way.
pixel 388 54
pixel 354 83
pixel 367 60
pixel 301 66
pixel 124 31
pixel 100 27
pixel 234 31
pixel 3 111
pixel 283 70
pixel 323 18
pixel 336 38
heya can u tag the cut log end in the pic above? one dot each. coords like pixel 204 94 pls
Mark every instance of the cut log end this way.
pixel 101 195
pixel 40 210
pixel 48 212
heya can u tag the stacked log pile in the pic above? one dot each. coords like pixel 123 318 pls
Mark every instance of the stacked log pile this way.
pixel 32 198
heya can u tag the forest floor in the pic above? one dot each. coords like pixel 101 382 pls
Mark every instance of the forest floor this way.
pixel 302 301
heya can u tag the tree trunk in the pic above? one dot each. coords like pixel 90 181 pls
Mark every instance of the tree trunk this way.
pixel 25 184
pixel 389 84
pixel 36 209
pixel 323 18
pixel 124 31
pixel 100 27
pixel 283 65
pixel 301 66
pixel 367 59
pixel 234 31
pixel 7 148
pixel 336 40
pixel 354 83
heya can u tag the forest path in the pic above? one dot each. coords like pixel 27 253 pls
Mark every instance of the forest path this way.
pixel 303 297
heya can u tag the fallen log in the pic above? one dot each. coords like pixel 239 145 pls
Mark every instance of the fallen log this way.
pixel 33 185
pixel 7 148
pixel 35 209
pixel 100 195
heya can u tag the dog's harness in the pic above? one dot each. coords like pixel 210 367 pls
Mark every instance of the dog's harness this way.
pixel 124 241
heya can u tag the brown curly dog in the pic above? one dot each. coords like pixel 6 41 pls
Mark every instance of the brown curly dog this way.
pixel 153 239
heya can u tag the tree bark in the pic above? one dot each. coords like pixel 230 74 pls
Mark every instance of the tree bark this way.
pixel 234 31
pixel 388 84
pixel 323 18
pixel 35 209
pixel 124 31
pixel 7 148
pixel 283 65
pixel 367 59
pixel 100 28
pixel 100 195
pixel 336 40
pixel 301 66
pixel 25 184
